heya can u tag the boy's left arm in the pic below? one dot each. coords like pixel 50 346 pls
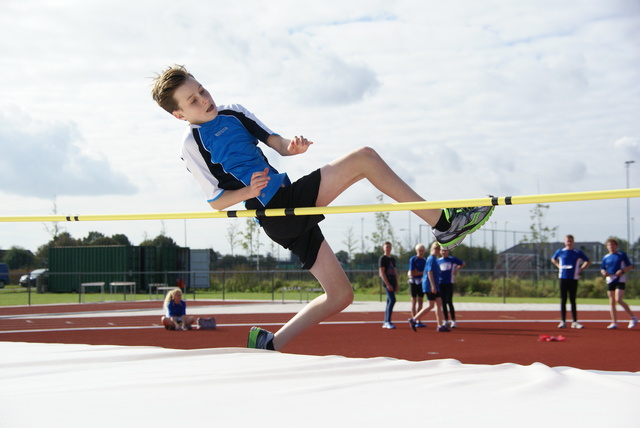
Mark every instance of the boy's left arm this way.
pixel 288 147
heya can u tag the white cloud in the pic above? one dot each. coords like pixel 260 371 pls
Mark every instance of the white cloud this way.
pixel 46 159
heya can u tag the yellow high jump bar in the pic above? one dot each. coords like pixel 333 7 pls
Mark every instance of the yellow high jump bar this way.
pixel 345 209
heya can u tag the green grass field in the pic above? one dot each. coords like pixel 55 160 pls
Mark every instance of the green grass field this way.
pixel 18 296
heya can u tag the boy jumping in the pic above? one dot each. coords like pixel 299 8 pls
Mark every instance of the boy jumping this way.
pixel 220 149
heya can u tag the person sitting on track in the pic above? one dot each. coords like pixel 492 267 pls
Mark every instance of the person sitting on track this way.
pixel 176 317
pixel 220 149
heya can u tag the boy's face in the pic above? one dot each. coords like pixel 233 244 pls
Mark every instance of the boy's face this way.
pixel 568 242
pixel 195 104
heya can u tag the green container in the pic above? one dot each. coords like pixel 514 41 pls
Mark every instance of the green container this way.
pixel 71 266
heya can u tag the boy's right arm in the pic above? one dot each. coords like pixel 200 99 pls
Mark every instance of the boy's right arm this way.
pixel 259 181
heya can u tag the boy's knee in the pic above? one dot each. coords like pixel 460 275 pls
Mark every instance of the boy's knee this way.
pixel 344 298
pixel 368 152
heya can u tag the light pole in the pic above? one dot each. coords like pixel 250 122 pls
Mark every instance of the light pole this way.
pixel 627 163
pixel 420 226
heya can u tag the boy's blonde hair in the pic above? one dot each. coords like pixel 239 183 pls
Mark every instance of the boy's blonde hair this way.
pixel 165 85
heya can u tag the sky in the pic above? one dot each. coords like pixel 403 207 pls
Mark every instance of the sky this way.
pixel 461 98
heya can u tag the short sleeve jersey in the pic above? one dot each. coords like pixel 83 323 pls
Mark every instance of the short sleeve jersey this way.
pixel 431 266
pixel 223 153
pixel 612 263
pixel 447 264
pixel 417 263
pixel 569 261
pixel 176 309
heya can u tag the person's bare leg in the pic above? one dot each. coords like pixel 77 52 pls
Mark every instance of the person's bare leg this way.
pixel 620 300
pixel 340 174
pixel 338 295
pixel 439 314
pixel 424 310
pixel 612 308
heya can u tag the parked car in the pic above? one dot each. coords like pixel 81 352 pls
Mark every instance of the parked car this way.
pixel 31 278
pixel 4 274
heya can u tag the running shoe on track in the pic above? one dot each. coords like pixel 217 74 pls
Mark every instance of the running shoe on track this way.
pixel 633 322
pixel 576 324
pixel 412 324
pixel 562 324
pixel 612 326
pixel 420 324
pixel 260 339
pixel 443 329
pixel 463 222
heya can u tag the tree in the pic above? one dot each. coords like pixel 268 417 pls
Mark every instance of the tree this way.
pixel 160 241
pixel 250 239
pixel 121 239
pixel 232 235
pixel 384 230
pixel 540 233
pixel 92 237
pixel 18 258
pixel 55 229
pixel 343 257
pixel 350 242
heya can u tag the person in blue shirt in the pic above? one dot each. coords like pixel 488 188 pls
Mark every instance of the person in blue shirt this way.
pixel 175 317
pixel 416 270
pixel 570 263
pixel 431 287
pixel 449 265
pixel 614 267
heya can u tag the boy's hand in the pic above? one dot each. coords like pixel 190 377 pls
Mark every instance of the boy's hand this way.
pixel 298 144
pixel 259 181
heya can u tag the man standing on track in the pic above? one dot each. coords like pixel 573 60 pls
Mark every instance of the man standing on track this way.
pixel 570 263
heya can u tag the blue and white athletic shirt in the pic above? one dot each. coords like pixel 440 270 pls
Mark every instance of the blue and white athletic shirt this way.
pixel 612 263
pixel 223 154
pixel 569 261
pixel 447 264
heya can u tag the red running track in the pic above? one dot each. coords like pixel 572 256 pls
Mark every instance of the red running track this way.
pixel 482 337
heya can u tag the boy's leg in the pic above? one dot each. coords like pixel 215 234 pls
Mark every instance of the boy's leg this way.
pixel 339 175
pixel 342 173
pixel 338 295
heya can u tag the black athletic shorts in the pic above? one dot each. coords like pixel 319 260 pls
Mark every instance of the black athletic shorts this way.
pixel 300 234
pixel 616 285
pixel 416 287
pixel 432 296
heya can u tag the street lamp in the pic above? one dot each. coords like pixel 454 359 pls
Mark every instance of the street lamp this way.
pixel 627 163
pixel 420 226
